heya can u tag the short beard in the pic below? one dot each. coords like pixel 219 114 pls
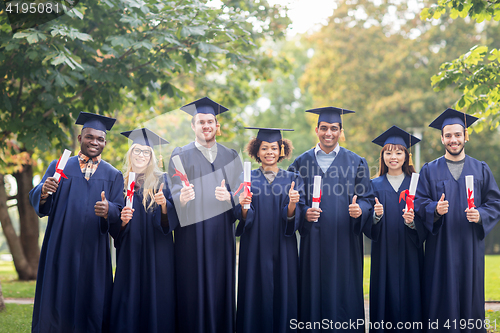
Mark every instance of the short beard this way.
pixel 455 154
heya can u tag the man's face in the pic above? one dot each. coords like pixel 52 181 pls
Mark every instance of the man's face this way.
pixel 92 142
pixel 328 134
pixel 205 127
pixel 453 139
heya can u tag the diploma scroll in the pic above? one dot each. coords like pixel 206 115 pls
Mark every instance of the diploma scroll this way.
pixel 61 164
pixel 130 189
pixel 247 178
pixel 469 183
pixel 410 194
pixel 179 170
pixel 316 192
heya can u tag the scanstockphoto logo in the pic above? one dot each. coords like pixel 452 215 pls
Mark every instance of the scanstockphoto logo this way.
pixel 25 14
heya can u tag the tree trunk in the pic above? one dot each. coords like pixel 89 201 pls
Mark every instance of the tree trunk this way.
pixel 2 302
pixel 23 268
pixel 30 228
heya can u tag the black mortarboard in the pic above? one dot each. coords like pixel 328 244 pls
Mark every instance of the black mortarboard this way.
pixel 204 105
pixel 95 121
pixel 269 134
pixel 396 136
pixel 330 114
pixel 450 117
pixel 145 137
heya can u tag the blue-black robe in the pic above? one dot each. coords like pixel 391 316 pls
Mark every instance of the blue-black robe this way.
pixel 144 290
pixel 453 286
pixel 396 263
pixel 205 255
pixel 268 260
pixel 74 282
pixel 331 250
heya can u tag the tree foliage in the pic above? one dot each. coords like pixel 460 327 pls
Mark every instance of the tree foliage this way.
pixel 476 73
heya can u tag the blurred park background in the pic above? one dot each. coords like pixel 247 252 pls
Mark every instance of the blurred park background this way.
pixel 393 62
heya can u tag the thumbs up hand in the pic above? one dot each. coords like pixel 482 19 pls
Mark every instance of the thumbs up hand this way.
pixel 160 197
pixel 354 209
pixel 101 207
pixel 378 208
pixel 442 206
pixel 221 192
pixel 293 194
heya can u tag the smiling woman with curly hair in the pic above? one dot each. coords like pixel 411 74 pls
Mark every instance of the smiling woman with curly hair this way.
pixel 268 263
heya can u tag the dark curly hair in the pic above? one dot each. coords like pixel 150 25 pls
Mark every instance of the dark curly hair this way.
pixel 254 145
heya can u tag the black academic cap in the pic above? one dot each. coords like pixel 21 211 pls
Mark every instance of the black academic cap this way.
pixel 269 134
pixel 145 137
pixel 330 114
pixel 396 136
pixel 95 121
pixel 450 117
pixel 204 105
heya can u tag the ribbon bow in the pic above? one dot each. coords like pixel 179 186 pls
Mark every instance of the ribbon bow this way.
pixel 60 171
pixel 409 198
pixel 246 186
pixel 318 199
pixel 130 192
pixel 470 199
pixel 182 176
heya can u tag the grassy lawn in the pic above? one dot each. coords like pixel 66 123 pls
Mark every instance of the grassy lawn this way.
pixel 11 287
pixel 16 318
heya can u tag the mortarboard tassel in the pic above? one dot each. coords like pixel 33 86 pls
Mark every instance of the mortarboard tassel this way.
pixel 218 133
pixel 160 160
pixel 342 135
pixel 282 149
pixel 410 161
pixel 466 135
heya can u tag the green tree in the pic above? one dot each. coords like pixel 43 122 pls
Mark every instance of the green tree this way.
pixel 475 73
pixel 118 58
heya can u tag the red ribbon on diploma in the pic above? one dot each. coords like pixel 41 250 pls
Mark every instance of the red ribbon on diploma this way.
pixel 60 171
pixel 470 200
pixel 130 192
pixel 409 198
pixel 318 199
pixel 182 176
pixel 246 186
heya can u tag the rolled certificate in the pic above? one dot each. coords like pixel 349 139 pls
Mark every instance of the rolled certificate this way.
pixel 130 189
pixel 247 178
pixel 316 192
pixel 413 190
pixel 61 164
pixel 179 170
pixel 469 183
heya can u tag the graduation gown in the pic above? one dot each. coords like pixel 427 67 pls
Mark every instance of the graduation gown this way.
pixel 396 263
pixel 268 260
pixel 454 252
pixel 144 289
pixel 73 289
pixel 204 247
pixel 331 250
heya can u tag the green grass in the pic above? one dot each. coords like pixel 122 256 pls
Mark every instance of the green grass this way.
pixel 494 318
pixel 16 318
pixel 11 287
pixel 492 278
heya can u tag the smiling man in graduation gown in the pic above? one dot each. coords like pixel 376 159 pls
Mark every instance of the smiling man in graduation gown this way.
pixel 454 252
pixel 74 279
pixel 205 243
pixel 331 245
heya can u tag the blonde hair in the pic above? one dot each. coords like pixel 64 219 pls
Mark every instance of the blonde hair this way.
pixel 153 177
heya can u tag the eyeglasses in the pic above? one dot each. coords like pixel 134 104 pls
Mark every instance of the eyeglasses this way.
pixel 145 152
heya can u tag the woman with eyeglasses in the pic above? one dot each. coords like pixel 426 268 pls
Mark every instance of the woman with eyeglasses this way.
pixel 143 297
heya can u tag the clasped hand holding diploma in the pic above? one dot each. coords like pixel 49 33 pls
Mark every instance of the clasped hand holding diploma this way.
pixel 127 212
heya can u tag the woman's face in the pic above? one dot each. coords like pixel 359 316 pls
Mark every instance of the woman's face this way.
pixel 394 160
pixel 269 153
pixel 140 157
